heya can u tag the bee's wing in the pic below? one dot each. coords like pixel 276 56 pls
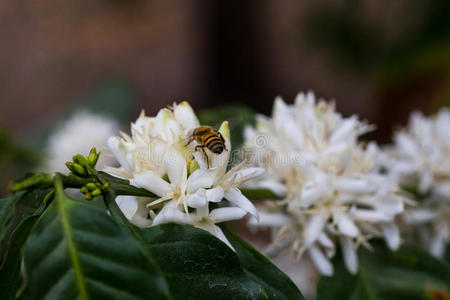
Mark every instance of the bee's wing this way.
pixel 216 126
pixel 189 137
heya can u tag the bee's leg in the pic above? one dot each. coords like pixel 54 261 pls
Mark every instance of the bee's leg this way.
pixel 204 153
pixel 223 141
pixel 190 141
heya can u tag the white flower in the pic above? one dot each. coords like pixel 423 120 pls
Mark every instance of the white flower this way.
pixel 202 218
pixel 332 192
pixel 79 134
pixel 420 160
pixel 156 157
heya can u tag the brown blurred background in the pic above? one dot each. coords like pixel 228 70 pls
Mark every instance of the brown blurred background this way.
pixel 377 59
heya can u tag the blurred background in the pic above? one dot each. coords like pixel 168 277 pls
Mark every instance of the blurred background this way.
pixel 377 59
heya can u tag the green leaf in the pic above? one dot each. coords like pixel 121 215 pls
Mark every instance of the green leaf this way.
pixel 18 216
pixel 276 284
pixel 409 273
pixel 197 265
pixel 77 251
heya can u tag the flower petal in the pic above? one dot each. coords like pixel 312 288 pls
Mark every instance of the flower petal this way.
pixel 369 215
pixel 310 193
pixel 325 241
pixel 349 254
pixel 315 189
pixel 437 243
pixel 198 199
pixel 390 206
pixel 346 225
pixel 200 179
pixel 166 127
pixel 235 196
pixel 442 189
pixel 354 186
pixel 406 144
pixel 270 219
pixel 118 152
pixel 176 165
pixel 224 214
pixel 314 227
pixel 419 216
pixel 242 175
pixel 128 205
pixel 320 261
pixel 185 115
pixel 170 213
pixel 426 180
pixel 221 236
pixel 391 235
pixel 346 131
pixel 215 194
pixel 150 181
pixel 273 185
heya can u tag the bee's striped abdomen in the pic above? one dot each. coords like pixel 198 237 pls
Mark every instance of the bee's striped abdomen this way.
pixel 213 142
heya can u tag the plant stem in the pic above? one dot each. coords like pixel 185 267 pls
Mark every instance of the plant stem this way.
pixel 117 214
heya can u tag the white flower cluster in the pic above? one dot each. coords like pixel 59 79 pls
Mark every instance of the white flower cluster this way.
pixel 156 157
pixel 328 181
pixel 420 160
pixel 79 134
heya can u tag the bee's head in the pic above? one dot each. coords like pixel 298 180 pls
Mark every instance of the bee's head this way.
pixel 201 131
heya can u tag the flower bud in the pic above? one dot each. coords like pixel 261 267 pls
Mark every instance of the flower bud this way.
pixel 93 157
pixel 79 169
pixel 91 186
pixel 96 192
pixel 69 165
pixel 80 159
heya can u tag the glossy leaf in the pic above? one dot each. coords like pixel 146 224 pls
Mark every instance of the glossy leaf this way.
pixel 197 265
pixel 77 251
pixel 18 216
pixel 409 273
pixel 277 284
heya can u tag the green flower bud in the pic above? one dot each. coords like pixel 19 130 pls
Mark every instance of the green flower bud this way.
pixel 96 192
pixel 84 190
pixel 69 165
pixel 91 186
pixel 79 169
pixel 93 157
pixel 88 196
pixel 80 159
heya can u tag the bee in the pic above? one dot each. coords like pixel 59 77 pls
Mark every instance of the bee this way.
pixel 206 137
